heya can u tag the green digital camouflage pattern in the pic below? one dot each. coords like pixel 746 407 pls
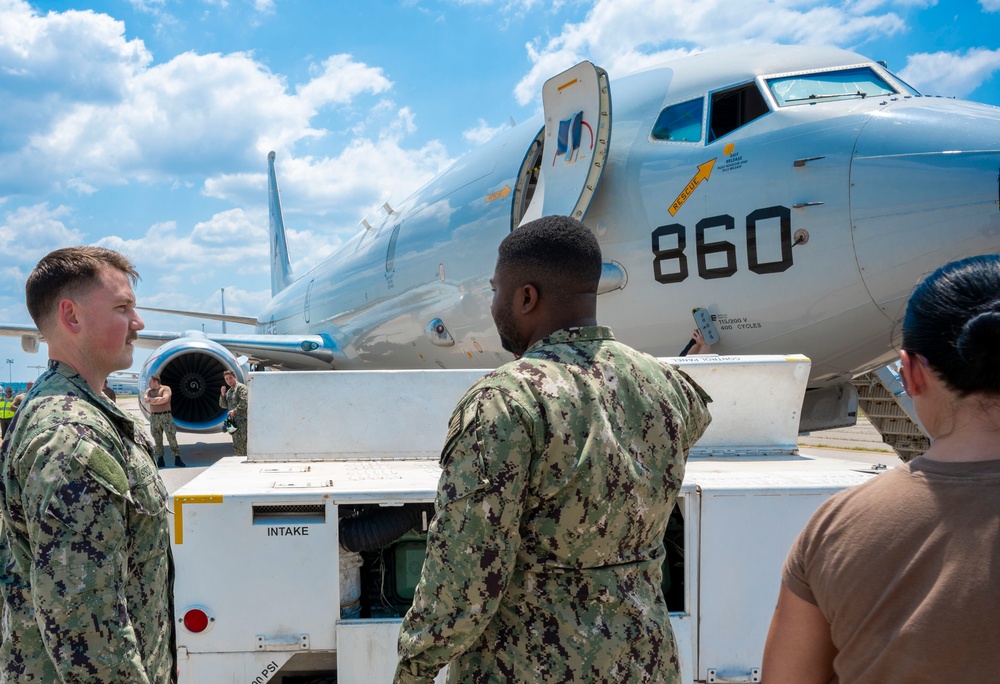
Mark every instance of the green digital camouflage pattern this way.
pixel 160 423
pixel 235 399
pixel 544 557
pixel 85 567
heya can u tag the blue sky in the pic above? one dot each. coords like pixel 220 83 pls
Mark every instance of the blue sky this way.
pixel 144 125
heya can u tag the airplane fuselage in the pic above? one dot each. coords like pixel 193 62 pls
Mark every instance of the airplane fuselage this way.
pixel 802 230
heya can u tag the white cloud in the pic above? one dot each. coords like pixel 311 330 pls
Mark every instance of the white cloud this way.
pixel 340 81
pixel 29 233
pixel 231 246
pixel 149 6
pixel 230 238
pixel 949 73
pixel 483 132
pixel 625 35
pixel 195 112
pixel 85 108
pixel 990 5
pixel 342 188
pixel 53 64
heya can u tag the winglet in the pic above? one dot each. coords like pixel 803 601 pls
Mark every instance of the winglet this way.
pixel 281 269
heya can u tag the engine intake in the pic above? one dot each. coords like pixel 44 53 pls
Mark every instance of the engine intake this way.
pixel 192 368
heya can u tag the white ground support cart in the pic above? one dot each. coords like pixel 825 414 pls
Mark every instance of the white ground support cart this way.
pixel 267 592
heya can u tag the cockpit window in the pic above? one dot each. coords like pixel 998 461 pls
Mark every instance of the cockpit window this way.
pixel 734 108
pixel 826 86
pixel 680 122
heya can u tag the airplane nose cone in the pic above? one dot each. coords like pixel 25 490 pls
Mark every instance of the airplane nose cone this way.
pixel 925 190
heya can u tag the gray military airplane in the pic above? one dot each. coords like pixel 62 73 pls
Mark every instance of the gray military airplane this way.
pixel 794 194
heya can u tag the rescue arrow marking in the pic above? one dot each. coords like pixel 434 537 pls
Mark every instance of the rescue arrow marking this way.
pixel 179 502
pixel 499 194
pixel 704 171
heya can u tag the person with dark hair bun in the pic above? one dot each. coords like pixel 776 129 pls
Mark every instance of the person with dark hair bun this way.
pixel 896 580
pixel 953 322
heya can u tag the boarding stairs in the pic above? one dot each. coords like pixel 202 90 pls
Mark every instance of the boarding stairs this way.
pixel 890 410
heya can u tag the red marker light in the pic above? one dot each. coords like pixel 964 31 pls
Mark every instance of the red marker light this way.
pixel 195 620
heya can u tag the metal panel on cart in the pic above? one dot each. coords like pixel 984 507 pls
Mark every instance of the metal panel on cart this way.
pixel 353 414
pixel 756 400
pixel 748 523
pixel 253 564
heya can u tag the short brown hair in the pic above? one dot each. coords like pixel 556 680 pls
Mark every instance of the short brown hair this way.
pixel 69 271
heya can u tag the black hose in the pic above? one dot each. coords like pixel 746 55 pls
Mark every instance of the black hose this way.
pixel 371 531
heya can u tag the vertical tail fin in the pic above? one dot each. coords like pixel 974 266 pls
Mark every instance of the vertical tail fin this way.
pixel 281 269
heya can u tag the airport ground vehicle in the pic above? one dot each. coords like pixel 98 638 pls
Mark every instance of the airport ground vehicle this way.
pixel 266 591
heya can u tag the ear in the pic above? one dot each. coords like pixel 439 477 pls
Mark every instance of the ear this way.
pixel 68 316
pixel 527 299
pixel 913 372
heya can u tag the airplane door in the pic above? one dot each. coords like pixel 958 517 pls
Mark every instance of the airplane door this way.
pixel 575 141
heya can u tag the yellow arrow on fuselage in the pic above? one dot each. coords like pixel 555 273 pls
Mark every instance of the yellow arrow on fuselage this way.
pixel 704 171
pixel 499 194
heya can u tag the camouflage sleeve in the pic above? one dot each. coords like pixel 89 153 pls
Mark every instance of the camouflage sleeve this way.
pixel 693 408
pixel 473 540
pixel 74 502
pixel 242 397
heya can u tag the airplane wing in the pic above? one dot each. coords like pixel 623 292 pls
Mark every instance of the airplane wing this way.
pixel 30 337
pixel 7 330
pixel 290 352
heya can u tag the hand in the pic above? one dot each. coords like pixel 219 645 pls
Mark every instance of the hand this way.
pixel 700 345
pixel 231 414
pixel 222 390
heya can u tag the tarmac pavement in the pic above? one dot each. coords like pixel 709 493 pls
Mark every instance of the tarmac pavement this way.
pixel 860 442
pixel 197 451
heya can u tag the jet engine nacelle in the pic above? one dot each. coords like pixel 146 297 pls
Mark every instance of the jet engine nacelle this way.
pixel 192 368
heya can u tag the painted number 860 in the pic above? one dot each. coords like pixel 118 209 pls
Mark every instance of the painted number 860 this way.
pixel 670 265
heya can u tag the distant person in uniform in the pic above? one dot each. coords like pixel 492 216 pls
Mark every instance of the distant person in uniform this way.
pixel 161 420
pixel 87 575
pixel 896 580
pixel 20 397
pixel 561 470
pixel 109 393
pixel 234 398
pixel 7 409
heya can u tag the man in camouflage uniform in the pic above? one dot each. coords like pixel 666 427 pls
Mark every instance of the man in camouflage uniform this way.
pixel 234 397
pixel 85 566
pixel 561 470
pixel 161 420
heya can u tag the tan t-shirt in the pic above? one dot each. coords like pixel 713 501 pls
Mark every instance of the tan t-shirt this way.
pixel 907 570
